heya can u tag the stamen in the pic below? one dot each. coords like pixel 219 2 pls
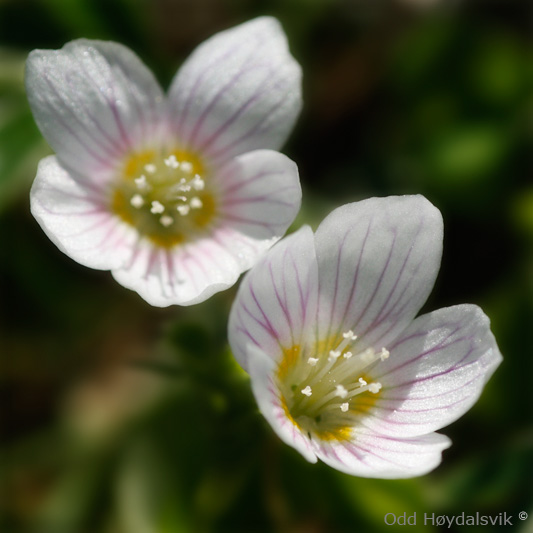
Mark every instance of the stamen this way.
pixel 340 391
pixel 198 183
pixel 141 183
pixel 374 387
pixel 167 187
pixel 349 335
pixel 157 208
pixel 137 201
pixel 332 379
pixel 196 203
pixel 166 221
pixel 171 161
pixel 150 168
pixel 186 167
pixel 334 355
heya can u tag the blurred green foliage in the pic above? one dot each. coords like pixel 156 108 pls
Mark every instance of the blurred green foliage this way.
pixel 121 418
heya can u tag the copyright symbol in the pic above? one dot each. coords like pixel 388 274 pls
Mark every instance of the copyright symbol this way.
pixel 522 515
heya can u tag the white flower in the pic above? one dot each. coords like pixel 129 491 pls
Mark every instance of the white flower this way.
pixel 354 288
pixel 179 194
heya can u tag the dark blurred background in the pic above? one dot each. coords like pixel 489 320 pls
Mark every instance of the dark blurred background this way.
pixel 121 418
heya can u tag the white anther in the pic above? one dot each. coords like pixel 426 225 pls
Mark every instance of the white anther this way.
pixel 374 387
pixel 363 382
pixel 157 208
pixel 307 391
pixel 347 355
pixel 150 168
pixel 137 201
pixel 183 210
pixel 184 188
pixel 141 183
pixel 384 354
pixel 186 167
pixel 171 161
pixel 344 407
pixel 196 203
pixel 350 335
pixel 166 221
pixel 198 183
pixel 312 361
pixel 341 391
pixel 334 355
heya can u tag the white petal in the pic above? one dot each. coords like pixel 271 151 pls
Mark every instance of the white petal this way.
pixel 378 260
pixel 239 91
pixel 190 273
pixel 276 301
pixel 186 275
pixel 268 398
pixel 436 372
pixel 260 194
pixel 76 218
pixel 370 455
pixel 93 101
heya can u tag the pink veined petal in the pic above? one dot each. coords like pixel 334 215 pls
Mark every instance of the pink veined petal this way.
pixel 190 273
pixel 378 456
pixel 93 101
pixel 76 219
pixel 377 260
pixel 268 397
pixel 435 373
pixel 276 301
pixel 260 194
pixel 240 90
pixel 184 275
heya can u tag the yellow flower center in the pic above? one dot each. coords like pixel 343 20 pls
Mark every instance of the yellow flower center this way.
pixel 326 393
pixel 164 196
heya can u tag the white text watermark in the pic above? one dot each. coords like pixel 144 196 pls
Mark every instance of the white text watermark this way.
pixel 463 519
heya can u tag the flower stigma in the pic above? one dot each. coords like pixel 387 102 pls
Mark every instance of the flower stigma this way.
pixel 164 196
pixel 326 395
